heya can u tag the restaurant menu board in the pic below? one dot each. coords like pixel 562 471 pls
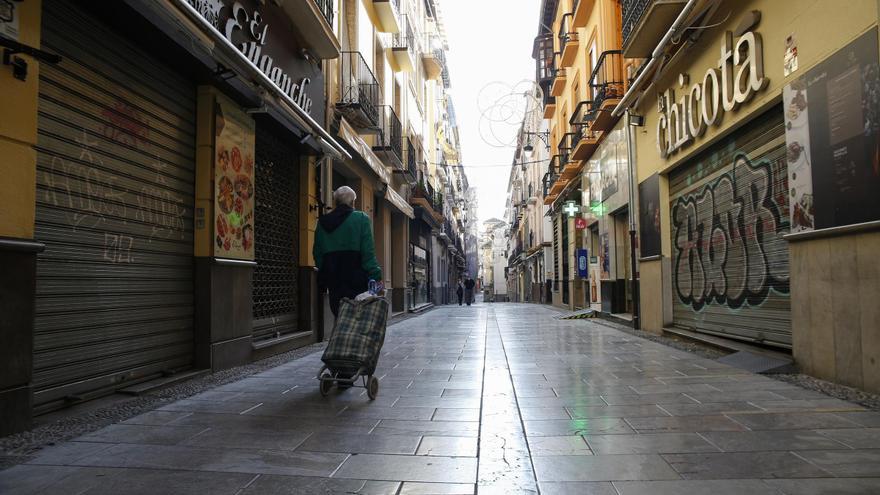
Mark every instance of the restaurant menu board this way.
pixel 832 120
pixel 233 182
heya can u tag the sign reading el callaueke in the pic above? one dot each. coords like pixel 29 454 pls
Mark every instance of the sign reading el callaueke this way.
pixel 262 32
pixel 737 77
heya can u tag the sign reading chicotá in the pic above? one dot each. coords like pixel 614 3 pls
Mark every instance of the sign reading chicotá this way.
pixel 246 24
pixel 739 74
pixel 580 223
pixel 582 257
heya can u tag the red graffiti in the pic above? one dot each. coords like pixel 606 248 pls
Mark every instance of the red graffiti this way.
pixel 125 125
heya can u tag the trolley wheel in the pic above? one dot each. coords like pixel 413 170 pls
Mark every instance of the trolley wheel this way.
pixel 326 385
pixel 373 388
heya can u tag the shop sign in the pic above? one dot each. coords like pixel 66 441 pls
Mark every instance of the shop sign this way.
pixel 580 223
pixel 262 32
pixel 582 258
pixel 737 77
pixel 571 208
pixel 233 181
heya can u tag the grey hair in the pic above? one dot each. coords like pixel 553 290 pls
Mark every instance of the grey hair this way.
pixel 344 196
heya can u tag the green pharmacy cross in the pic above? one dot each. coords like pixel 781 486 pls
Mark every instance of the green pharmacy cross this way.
pixel 571 208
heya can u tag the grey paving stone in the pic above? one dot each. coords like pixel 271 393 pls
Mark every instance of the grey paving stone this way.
pixel 837 486
pixel 412 488
pixel 634 399
pixel 846 463
pixel 326 441
pixel 410 468
pixel 683 424
pixel 530 413
pixel 781 440
pixel 301 485
pixel 571 427
pixel 448 446
pixel 113 481
pixel 632 411
pixel 220 460
pixel 751 465
pixel 867 419
pixel 576 488
pixel 157 418
pixel 603 468
pixel 709 409
pixel 441 414
pixel 130 433
pixel 695 487
pixel 403 413
pixel 68 453
pixel 793 421
pixel 855 438
pixel 649 443
pixel 29 479
pixel 566 445
pixel 435 428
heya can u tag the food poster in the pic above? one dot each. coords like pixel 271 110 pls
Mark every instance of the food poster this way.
pixel 233 181
pixel 797 139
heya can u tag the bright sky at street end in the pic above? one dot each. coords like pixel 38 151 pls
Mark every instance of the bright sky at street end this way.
pixel 490 55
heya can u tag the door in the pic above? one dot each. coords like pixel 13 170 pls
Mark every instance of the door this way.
pixel 729 213
pixel 115 194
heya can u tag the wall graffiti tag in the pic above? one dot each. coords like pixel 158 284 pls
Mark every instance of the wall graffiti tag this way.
pixel 728 245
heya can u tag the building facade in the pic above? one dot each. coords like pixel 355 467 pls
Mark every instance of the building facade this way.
pixel 169 161
pixel 757 176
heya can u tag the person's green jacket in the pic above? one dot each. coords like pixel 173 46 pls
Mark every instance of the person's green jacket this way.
pixel 344 251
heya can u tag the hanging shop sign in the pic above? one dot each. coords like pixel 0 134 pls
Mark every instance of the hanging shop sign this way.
pixel 737 77
pixel 263 33
pixel 234 133
pixel 580 223
pixel 571 208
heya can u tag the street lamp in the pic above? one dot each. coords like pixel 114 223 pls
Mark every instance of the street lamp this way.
pixel 543 136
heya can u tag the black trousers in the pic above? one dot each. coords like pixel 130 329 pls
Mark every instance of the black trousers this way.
pixel 460 298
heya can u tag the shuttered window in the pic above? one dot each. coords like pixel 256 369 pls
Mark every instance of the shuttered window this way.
pixel 729 213
pixel 114 206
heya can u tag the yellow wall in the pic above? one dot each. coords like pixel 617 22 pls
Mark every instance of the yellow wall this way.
pixel 18 133
pixel 203 237
pixel 805 20
pixel 308 217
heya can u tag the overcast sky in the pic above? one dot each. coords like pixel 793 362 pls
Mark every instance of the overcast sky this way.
pixel 490 54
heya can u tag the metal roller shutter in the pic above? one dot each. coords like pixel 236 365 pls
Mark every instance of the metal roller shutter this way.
pixel 729 213
pixel 115 186
pixel 276 230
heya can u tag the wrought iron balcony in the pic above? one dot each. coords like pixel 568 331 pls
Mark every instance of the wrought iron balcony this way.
pixel 411 169
pixel 585 139
pixel 390 138
pixel 645 22
pixel 326 8
pixel 405 38
pixel 568 40
pixel 359 98
pixel 607 84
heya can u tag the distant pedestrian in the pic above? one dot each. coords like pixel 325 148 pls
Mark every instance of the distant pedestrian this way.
pixel 344 250
pixel 469 290
pixel 459 291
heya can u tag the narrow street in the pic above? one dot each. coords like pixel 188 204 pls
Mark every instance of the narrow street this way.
pixel 494 398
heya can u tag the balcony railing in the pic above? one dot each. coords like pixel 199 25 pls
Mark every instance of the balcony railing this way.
pixel 558 68
pixel 606 80
pixel 632 13
pixel 411 159
pixel 326 8
pixel 405 38
pixel 359 90
pixel 444 74
pixel 390 139
pixel 566 31
pixel 579 123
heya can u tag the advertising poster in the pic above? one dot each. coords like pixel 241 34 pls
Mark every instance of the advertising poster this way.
pixel 582 263
pixel 649 216
pixel 832 116
pixel 233 182
pixel 605 258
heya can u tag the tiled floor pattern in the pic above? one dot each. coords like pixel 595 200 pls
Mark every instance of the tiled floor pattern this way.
pixel 496 398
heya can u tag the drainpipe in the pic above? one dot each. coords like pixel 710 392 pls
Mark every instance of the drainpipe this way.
pixel 631 163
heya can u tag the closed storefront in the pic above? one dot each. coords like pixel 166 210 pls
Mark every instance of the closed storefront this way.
pixel 115 193
pixel 729 212
pixel 277 225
